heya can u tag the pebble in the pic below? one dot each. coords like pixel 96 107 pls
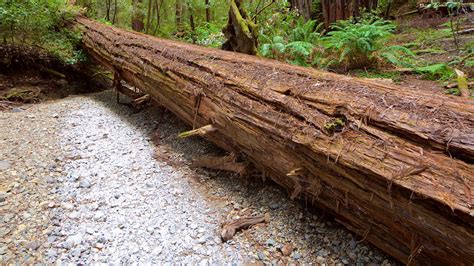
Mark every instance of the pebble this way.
pixel 84 184
pixel 4 165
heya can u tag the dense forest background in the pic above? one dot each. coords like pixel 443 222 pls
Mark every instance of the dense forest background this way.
pixel 383 39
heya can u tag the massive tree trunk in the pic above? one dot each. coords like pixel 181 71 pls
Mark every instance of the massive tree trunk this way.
pixel 240 31
pixel 334 10
pixel 392 164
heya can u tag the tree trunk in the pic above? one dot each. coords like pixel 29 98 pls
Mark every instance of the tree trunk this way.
pixel 193 27
pixel 240 31
pixel 179 16
pixel 108 4
pixel 208 11
pixel 392 164
pixel 303 7
pixel 158 4
pixel 115 12
pixel 148 16
pixel 334 10
pixel 137 16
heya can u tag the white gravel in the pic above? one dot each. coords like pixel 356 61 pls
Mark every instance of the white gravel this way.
pixel 86 180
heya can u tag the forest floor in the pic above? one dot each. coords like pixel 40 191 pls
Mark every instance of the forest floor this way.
pixel 84 179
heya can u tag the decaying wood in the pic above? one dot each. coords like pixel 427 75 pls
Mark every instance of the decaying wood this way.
pixel 455 85
pixel 225 163
pixel 397 171
pixel 197 132
pixel 230 228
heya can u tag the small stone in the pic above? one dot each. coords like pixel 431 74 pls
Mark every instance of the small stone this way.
pixel 4 231
pixel 4 165
pixel 16 110
pixel 99 246
pixel 99 216
pixel 76 252
pixel 286 250
pixel 67 205
pixel 74 215
pixel 260 255
pixel 73 241
pixel 320 259
pixel 3 250
pixel 274 206
pixel 90 231
pixel 84 184
pixel 158 250
pixel 353 256
pixel 296 255
pixel 270 242
pixel 345 261
pixel 51 253
pixel 33 245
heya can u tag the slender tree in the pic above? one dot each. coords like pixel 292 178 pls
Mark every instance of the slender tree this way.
pixel 115 12
pixel 148 16
pixel 158 4
pixel 179 15
pixel 208 11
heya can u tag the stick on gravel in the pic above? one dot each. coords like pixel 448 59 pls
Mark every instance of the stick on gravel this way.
pixel 392 164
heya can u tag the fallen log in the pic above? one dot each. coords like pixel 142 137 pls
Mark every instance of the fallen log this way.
pixel 392 164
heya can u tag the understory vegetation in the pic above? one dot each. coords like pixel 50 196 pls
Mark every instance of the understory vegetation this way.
pixel 367 42
pixel 41 23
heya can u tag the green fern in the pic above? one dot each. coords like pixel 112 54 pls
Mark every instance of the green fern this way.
pixel 362 44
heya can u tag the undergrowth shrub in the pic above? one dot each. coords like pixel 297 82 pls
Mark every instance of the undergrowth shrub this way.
pixel 41 23
pixel 364 44
pixel 290 39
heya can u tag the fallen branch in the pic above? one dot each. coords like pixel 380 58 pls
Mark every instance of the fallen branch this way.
pixel 225 163
pixel 229 229
pixel 197 132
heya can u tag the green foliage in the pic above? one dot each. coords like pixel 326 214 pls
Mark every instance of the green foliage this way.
pixel 373 73
pixel 453 91
pixel 436 71
pixel 290 38
pixel 363 44
pixel 42 23
pixel 335 125
pixel 208 34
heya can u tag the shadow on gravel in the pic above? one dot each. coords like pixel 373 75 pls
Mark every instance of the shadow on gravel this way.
pixel 313 234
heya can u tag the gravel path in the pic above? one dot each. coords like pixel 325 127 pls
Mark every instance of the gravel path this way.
pixel 86 180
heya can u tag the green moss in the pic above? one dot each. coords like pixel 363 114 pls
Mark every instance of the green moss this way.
pixel 334 125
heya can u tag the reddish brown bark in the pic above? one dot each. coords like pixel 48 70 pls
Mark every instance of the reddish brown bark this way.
pixel 392 164
pixel 334 10
pixel 303 7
